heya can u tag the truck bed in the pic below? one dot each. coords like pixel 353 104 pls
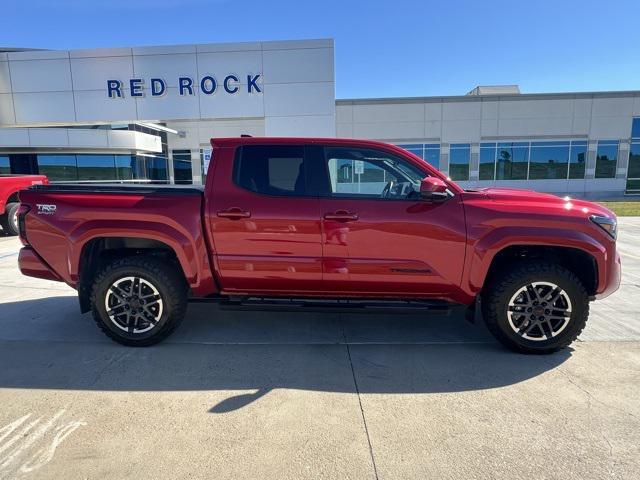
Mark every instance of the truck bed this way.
pixel 120 188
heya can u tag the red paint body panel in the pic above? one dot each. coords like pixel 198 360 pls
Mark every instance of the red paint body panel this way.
pixel 12 184
pixel 233 241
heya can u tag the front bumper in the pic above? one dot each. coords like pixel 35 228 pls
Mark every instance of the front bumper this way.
pixel 612 278
pixel 32 265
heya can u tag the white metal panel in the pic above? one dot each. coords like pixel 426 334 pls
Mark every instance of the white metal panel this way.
pixel 299 99
pixel 48 107
pixel 344 113
pixel 170 105
pixel 167 67
pixel 87 138
pixel 92 73
pixel 612 106
pixel 41 76
pixel 536 108
pixel 48 137
pixel 389 131
pixel 605 128
pixel 302 126
pixel 300 65
pixel 222 64
pixel 222 105
pixel 461 131
pixel 5 80
pixel 514 127
pixel 461 110
pixel 14 137
pixel 7 115
pixel 384 112
pixel 92 107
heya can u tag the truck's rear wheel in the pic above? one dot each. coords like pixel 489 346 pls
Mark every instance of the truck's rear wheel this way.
pixel 10 219
pixel 138 301
pixel 536 307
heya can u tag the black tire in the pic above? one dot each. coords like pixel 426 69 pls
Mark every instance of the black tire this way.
pixel 170 310
pixel 504 285
pixel 9 220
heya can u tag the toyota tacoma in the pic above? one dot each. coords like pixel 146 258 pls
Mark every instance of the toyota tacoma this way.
pixel 330 223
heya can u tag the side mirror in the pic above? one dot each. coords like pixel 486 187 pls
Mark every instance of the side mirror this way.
pixel 433 189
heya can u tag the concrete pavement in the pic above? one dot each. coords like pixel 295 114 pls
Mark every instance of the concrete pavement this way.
pixel 309 395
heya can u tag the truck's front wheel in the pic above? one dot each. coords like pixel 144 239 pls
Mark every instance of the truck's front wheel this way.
pixel 535 307
pixel 138 301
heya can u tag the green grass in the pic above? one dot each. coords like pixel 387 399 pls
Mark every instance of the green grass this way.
pixel 623 209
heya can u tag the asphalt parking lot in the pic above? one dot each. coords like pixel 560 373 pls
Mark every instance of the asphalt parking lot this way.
pixel 309 395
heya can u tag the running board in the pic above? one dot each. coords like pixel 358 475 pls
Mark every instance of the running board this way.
pixel 439 307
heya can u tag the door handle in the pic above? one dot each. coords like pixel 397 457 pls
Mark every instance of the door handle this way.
pixel 234 213
pixel 341 216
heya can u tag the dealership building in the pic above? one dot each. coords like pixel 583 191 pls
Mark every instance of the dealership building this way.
pixel 148 113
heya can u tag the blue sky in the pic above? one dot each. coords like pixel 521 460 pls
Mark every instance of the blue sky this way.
pixel 383 48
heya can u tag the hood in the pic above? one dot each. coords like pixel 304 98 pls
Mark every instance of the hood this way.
pixel 538 200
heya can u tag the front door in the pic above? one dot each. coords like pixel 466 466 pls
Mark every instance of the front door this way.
pixel 379 236
pixel 265 225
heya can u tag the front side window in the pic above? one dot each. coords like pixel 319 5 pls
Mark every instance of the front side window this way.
pixel 272 170
pixel 606 159
pixel 368 173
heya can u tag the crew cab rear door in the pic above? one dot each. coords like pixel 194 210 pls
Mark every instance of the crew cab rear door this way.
pixel 379 236
pixel 264 223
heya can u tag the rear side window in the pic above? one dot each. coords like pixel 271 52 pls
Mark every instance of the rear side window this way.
pixel 271 169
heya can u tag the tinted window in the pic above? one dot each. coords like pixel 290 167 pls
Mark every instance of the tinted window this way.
pixel 272 169
pixel 58 168
pixel 459 156
pixel 96 167
pixel 578 159
pixel 5 166
pixel 606 159
pixel 125 167
pixel 432 155
pixel 367 173
pixel 182 166
pixel 512 161
pixel 635 128
pixel 487 161
pixel 634 161
pixel 548 160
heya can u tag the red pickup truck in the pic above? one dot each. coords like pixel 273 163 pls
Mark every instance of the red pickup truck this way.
pixel 350 224
pixel 10 185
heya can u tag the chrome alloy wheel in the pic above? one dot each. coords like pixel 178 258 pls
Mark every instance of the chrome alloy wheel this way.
pixel 539 311
pixel 133 304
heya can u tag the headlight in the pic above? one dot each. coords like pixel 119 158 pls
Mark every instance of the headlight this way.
pixel 609 225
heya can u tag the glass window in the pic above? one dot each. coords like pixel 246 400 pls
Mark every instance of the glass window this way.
pixel 182 166
pixel 635 128
pixel 634 161
pixel 96 167
pixel 367 173
pixel 512 161
pixel 58 168
pixel 459 156
pixel 272 170
pixel 578 159
pixel 606 159
pixel 5 165
pixel 487 161
pixel 125 167
pixel 548 160
pixel 432 155
pixel 415 148
pixel 156 168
